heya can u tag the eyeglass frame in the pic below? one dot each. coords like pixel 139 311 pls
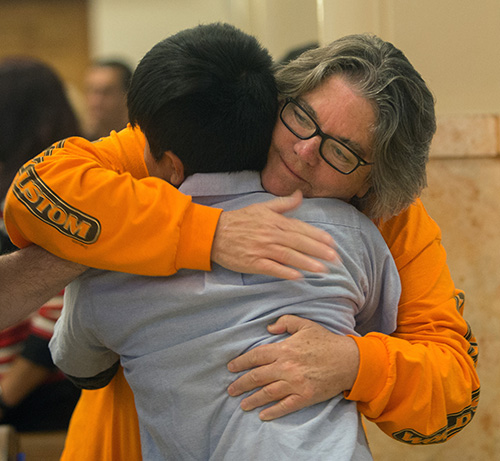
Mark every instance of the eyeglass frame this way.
pixel 323 136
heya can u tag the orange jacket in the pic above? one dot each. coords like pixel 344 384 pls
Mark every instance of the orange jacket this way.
pixel 419 384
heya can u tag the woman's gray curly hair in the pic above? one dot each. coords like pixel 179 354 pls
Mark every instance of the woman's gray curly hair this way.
pixel 404 111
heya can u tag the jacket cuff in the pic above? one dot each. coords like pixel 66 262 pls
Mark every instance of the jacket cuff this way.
pixel 196 237
pixel 373 369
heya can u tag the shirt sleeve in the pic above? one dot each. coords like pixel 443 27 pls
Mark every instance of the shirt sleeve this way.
pixel 420 384
pixel 93 203
pixel 76 348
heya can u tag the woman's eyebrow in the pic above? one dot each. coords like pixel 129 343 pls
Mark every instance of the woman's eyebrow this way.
pixel 308 108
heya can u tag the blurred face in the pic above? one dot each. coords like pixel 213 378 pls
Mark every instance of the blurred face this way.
pixel 296 164
pixel 106 100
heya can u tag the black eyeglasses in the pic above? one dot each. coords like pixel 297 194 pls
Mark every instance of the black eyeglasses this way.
pixel 333 151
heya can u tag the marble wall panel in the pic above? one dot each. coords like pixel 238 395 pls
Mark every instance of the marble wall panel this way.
pixel 464 198
pixel 466 136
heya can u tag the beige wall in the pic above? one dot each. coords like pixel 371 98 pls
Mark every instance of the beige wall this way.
pixel 454 43
pixel 129 28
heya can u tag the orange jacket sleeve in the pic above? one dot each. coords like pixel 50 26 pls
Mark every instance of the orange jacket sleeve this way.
pixel 92 202
pixel 420 384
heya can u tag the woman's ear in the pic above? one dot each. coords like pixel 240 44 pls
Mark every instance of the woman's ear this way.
pixel 175 168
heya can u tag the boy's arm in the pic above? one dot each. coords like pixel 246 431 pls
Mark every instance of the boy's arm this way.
pixel 76 347
pixel 93 203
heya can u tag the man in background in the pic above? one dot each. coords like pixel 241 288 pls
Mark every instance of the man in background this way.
pixel 106 87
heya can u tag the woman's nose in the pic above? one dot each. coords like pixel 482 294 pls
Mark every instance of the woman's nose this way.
pixel 308 150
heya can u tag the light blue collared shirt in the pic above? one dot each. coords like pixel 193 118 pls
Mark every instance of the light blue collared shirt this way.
pixel 174 337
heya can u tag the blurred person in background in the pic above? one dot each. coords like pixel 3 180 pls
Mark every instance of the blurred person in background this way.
pixel 34 395
pixel 106 85
pixel 295 52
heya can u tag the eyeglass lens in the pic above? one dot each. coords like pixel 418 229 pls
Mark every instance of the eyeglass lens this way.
pixel 303 126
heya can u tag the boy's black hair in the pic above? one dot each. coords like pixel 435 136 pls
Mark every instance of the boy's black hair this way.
pixel 207 94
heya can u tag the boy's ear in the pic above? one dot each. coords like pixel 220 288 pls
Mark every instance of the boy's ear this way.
pixel 176 168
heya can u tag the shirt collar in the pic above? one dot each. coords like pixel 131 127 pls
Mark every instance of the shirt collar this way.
pixel 217 184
